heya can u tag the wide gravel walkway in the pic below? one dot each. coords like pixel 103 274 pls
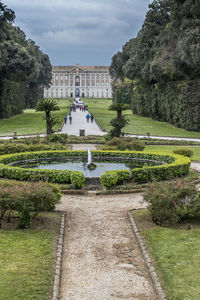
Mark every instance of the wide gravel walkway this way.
pixel 79 122
pixel 101 259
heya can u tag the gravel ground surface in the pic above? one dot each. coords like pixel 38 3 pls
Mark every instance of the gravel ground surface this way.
pixel 79 122
pixel 101 258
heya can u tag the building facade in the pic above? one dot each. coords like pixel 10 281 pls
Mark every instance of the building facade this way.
pixel 79 81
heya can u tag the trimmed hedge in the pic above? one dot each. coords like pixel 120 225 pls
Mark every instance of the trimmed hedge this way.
pixel 184 151
pixel 54 176
pixel 175 166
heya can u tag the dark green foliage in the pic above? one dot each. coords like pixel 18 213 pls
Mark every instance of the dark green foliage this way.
pixel 27 199
pixel 54 176
pixel 184 151
pixel 120 121
pixel 60 138
pixel 77 179
pixel 109 179
pixel 163 64
pixel 48 105
pixel 172 203
pixel 126 144
pixel 24 69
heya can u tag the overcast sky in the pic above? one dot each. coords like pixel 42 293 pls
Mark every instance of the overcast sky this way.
pixel 87 32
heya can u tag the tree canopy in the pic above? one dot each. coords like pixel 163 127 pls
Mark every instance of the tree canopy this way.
pixel 163 63
pixel 24 69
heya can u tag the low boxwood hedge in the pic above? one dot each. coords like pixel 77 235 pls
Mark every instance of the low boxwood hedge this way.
pixel 175 166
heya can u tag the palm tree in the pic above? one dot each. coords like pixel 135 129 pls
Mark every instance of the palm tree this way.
pixel 48 105
pixel 120 121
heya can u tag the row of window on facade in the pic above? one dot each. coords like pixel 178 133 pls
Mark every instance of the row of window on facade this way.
pixel 71 94
pixel 83 76
pixel 83 83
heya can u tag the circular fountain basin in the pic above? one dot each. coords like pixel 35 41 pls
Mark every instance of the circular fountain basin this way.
pixel 78 165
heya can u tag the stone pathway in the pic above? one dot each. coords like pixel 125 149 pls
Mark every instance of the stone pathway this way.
pixel 84 147
pixel 79 122
pixel 101 258
pixel 195 166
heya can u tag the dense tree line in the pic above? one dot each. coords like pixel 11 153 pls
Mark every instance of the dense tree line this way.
pixel 24 69
pixel 163 64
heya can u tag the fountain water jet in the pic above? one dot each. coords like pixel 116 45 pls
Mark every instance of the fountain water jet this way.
pixel 89 157
pixel 90 164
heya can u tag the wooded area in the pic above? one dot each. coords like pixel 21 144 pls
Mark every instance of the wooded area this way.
pixel 158 72
pixel 24 69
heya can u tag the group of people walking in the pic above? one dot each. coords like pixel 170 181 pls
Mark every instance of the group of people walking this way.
pixel 70 118
pixel 89 117
pixel 78 104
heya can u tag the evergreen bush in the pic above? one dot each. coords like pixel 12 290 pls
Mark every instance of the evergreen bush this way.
pixel 171 203
pixel 184 151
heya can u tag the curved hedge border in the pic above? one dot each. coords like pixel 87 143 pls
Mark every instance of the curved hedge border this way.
pixel 55 176
pixel 176 165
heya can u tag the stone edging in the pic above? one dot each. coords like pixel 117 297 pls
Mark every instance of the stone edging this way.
pixel 154 277
pixel 56 285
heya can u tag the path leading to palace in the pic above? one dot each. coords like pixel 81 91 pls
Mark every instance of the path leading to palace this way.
pixel 101 258
pixel 79 122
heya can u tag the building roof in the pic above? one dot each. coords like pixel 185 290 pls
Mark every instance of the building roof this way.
pixel 73 69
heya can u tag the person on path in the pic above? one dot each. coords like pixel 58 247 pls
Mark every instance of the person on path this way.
pixel 65 119
pixel 70 119
pixel 88 117
pixel 91 118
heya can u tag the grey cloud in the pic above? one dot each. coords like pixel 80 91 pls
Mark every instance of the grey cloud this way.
pixel 59 26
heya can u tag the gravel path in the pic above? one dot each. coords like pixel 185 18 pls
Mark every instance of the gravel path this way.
pixel 79 122
pixel 101 258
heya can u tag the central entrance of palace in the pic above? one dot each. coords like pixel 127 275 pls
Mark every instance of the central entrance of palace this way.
pixel 77 93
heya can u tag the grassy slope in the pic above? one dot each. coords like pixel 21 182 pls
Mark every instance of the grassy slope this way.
pixel 162 148
pixel 30 122
pixel 138 125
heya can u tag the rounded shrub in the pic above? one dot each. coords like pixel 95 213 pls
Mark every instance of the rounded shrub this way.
pixel 170 203
pixel 58 138
pixel 77 179
pixel 109 179
pixel 184 151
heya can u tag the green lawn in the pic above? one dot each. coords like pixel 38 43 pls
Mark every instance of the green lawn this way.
pixel 162 148
pixel 176 254
pixel 26 263
pixel 138 125
pixel 30 122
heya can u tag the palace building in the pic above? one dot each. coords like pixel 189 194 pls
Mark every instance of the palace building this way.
pixel 79 81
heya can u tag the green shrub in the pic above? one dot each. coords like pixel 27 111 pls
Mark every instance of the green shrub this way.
pixel 58 138
pixel 123 175
pixel 112 178
pixel 9 148
pixel 27 198
pixel 169 203
pixel 77 179
pixel 135 144
pixel 184 151
pixel 107 147
pixel 126 143
pixel 109 179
